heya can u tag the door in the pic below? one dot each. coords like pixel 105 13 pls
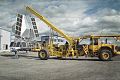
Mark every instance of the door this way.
pixel 5 47
pixel 93 44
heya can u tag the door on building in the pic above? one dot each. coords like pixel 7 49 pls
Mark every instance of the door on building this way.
pixel 5 47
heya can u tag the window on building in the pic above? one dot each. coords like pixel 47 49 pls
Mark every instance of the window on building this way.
pixel 18 44
pixel 23 44
pixel 6 47
pixel 59 40
pixel 55 40
pixel 11 44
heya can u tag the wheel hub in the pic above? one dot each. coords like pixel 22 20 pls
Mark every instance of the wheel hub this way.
pixel 42 54
pixel 105 55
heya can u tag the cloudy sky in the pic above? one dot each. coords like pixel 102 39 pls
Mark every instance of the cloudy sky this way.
pixel 74 17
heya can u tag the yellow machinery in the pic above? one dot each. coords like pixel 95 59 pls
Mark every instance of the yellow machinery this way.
pixel 103 51
pixel 36 47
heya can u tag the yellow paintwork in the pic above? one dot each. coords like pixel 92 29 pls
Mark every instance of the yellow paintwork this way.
pixel 36 47
pixel 95 48
pixel 42 55
pixel 105 55
pixel 118 52
pixel 53 27
pixel 72 41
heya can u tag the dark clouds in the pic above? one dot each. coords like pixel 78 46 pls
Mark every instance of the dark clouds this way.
pixel 101 4
pixel 74 17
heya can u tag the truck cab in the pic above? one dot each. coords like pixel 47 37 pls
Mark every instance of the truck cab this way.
pixel 104 50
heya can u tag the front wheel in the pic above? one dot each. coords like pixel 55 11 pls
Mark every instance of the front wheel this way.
pixel 43 54
pixel 105 55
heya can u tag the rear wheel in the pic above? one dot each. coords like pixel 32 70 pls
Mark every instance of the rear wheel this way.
pixel 105 55
pixel 59 58
pixel 43 54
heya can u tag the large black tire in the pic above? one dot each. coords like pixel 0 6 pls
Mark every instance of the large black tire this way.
pixel 60 58
pixel 105 55
pixel 43 54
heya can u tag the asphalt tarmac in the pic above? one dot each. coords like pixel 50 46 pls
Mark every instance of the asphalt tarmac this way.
pixel 29 67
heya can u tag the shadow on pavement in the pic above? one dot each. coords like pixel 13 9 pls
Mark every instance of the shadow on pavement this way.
pixel 117 58
pixel 19 55
pixel 77 59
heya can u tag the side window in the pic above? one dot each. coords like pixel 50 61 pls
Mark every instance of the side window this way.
pixel 96 41
pixel 85 41
pixel 91 41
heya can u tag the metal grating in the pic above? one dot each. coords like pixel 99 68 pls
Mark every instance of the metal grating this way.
pixel 35 27
pixel 18 25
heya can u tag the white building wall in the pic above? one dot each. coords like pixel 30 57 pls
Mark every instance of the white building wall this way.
pixel 5 40
pixel 0 39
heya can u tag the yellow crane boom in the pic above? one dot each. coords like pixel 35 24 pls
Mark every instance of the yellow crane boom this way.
pixel 68 38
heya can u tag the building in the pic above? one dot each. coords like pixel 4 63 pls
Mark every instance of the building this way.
pixel 4 40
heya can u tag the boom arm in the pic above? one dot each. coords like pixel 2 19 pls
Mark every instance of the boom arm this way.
pixel 69 39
